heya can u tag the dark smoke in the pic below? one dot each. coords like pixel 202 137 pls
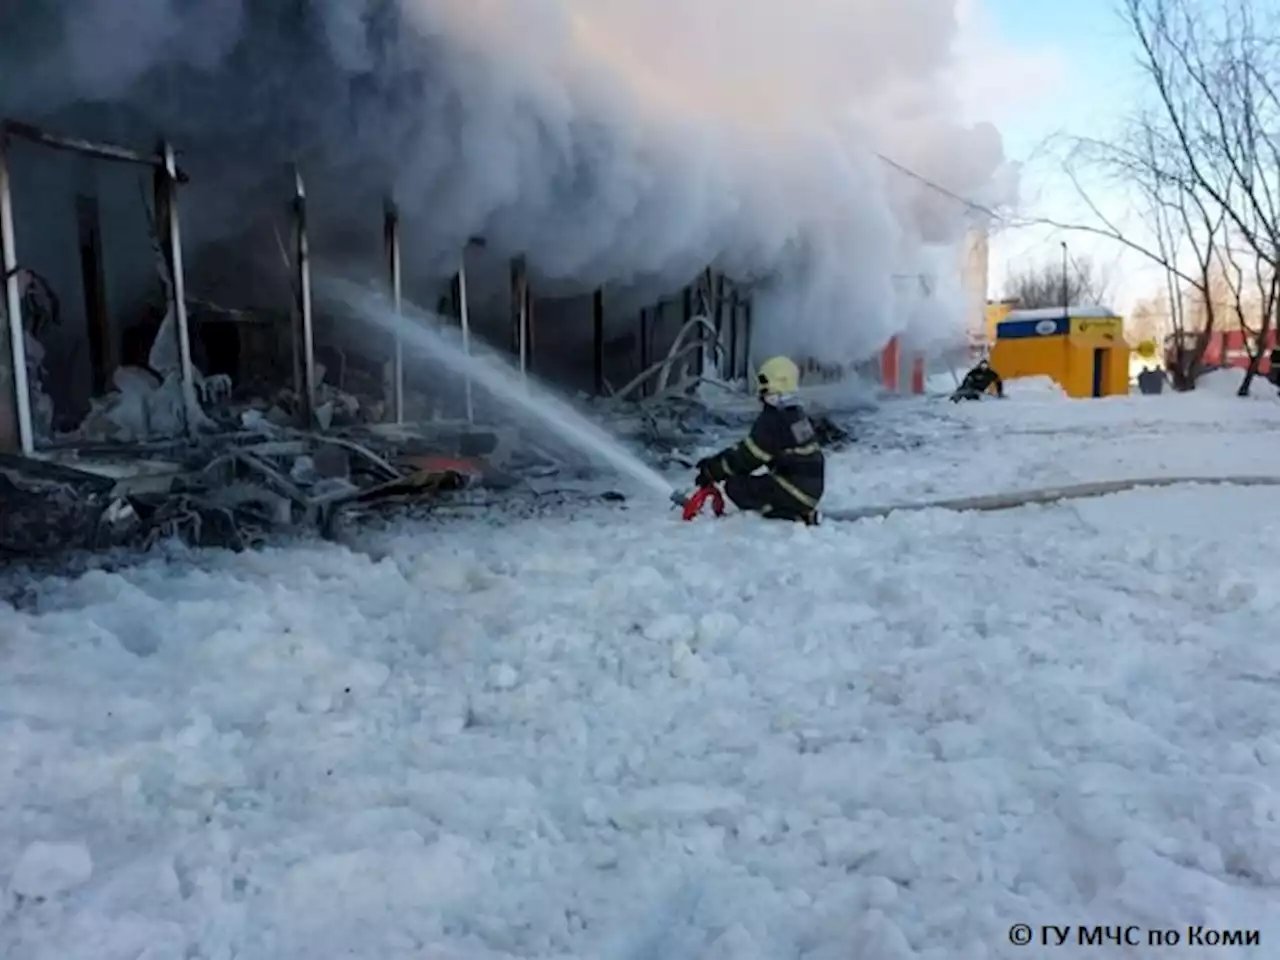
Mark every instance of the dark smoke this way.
pixel 629 141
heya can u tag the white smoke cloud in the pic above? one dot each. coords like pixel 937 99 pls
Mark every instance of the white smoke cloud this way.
pixel 627 141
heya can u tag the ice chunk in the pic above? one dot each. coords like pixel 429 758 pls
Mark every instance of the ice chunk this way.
pixel 714 627
pixel 503 676
pixel 47 869
pixel 678 802
pixel 673 628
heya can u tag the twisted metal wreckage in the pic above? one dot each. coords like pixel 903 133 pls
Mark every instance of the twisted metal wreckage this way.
pixel 168 451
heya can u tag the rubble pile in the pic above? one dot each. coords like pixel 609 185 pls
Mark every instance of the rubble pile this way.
pixel 130 474
pixel 231 490
pixel 45 510
pixel 235 490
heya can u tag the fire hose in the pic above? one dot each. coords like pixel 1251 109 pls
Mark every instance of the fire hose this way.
pixel 692 504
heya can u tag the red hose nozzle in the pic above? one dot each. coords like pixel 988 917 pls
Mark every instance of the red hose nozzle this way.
pixel 697 500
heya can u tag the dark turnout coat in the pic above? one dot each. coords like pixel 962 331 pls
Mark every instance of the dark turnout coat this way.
pixel 978 381
pixel 784 443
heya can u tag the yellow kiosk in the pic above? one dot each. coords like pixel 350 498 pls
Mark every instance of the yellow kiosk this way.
pixel 1082 348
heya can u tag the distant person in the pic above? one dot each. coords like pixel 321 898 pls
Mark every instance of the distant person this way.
pixel 782 443
pixel 1273 374
pixel 978 382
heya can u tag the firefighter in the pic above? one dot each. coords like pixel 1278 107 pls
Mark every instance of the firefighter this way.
pixel 977 382
pixel 783 444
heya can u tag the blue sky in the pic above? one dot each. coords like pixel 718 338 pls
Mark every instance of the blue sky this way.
pixel 1036 68
pixel 1093 63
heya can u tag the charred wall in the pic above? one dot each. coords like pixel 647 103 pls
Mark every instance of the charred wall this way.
pixel 108 278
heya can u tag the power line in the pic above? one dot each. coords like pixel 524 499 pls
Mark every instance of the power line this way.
pixel 939 188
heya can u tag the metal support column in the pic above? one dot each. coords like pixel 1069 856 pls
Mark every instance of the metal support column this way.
pixel 655 324
pixel 103 355
pixel 531 326
pixel 719 325
pixel 686 314
pixel 706 290
pixel 597 340
pixel 734 323
pixel 15 427
pixel 306 341
pixel 391 233
pixel 464 318
pixel 520 312
pixel 179 292
pixel 644 340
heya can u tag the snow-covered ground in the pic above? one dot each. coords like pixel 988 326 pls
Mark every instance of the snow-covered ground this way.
pixel 1038 438
pixel 613 735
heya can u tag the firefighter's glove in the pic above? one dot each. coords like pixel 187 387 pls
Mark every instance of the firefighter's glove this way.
pixel 705 477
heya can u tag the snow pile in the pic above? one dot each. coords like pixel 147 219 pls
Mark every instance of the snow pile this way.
pixel 1034 388
pixel 1223 383
pixel 48 869
pixel 1226 382
pixel 618 735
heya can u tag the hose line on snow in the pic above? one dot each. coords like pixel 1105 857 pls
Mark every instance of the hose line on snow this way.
pixel 1043 495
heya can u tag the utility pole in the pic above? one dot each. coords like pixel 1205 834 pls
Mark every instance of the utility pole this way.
pixel 1066 300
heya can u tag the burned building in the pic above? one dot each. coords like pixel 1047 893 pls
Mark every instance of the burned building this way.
pixel 119 304
pixel 182 178
pixel 134 357
pixel 281 117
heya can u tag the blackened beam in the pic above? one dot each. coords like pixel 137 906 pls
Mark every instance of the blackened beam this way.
pixel 734 327
pixel 15 394
pixel 597 317
pixel 304 331
pixel 706 291
pixel 686 315
pixel 179 289
pixel 102 347
pixel 719 301
pixel 644 339
pixel 391 238
pixel 103 151
pixel 520 311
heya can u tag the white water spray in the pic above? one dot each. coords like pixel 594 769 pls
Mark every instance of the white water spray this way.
pixel 426 333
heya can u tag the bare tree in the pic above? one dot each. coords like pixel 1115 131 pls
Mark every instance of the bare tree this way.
pixel 1215 73
pixel 1204 161
pixel 1048 285
pixel 1252 294
pixel 1184 225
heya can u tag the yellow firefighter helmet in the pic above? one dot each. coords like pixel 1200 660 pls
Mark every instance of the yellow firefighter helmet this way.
pixel 778 376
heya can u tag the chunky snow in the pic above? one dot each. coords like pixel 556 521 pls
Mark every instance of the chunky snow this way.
pixel 46 869
pixel 613 735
